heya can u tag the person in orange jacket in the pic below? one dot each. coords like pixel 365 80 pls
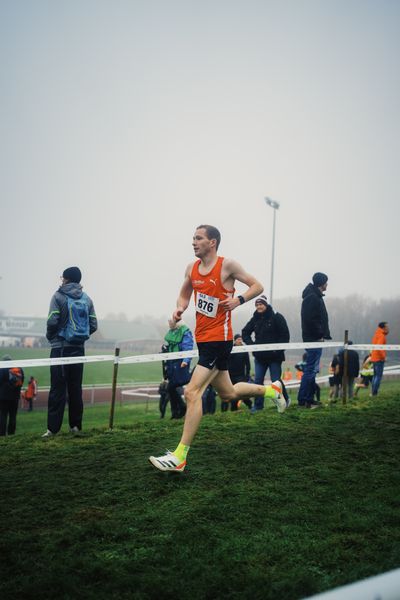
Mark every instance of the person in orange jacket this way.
pixel 378 357
pixel 31 392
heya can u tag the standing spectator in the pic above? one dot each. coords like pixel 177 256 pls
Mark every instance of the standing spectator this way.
pixel 71 321
pixel 164 397
pixel 31 392
pixel 209 400
pixel 300 366
pixel 11 382
pixel 287 374
pixel 353 368
pixel 178 338
pixel 239 369
pixel 378 357
pixel 266 327
pixel 315 328
pixel 334 379
pixel 367 373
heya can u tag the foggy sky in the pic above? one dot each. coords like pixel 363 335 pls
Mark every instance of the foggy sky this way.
pixel 126 124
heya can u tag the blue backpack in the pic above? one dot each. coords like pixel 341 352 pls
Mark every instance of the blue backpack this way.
pixel 76 330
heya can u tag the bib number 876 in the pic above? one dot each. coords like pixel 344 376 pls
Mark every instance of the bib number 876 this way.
pixel 204 305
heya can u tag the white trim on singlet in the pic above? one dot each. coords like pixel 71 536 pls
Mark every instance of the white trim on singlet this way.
pixel 226 325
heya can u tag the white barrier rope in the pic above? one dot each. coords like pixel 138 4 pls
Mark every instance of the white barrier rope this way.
pixel 62 360
pixel 235 350
pixel 374 347
pixel 163 356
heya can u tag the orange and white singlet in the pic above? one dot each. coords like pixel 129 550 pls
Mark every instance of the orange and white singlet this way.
pixel 213 323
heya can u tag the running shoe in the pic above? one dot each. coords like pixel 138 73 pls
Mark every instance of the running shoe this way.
pixel 274 393
pixel 168 462
pixel 48 434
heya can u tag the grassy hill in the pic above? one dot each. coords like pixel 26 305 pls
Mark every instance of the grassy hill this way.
pixel 271 506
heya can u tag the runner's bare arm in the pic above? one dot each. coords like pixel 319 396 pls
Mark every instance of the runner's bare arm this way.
pixel 232 271
pixel 184 295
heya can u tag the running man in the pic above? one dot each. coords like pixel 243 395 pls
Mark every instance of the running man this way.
pixel 212 279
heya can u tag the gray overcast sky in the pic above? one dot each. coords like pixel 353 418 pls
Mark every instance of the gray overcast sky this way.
pixel 125 124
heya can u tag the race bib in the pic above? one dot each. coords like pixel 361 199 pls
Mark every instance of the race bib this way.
pixel 207 305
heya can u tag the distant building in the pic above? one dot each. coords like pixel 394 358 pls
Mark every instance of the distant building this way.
pixel 30 332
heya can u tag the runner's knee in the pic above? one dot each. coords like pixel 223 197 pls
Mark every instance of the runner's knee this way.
pixel 191 395
pixel 227 396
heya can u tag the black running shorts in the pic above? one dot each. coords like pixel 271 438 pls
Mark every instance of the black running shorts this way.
pixel 214 354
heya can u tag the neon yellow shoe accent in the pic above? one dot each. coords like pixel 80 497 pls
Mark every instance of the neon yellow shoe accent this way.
pixel 274 392
pixel 269 393
pixel 181 451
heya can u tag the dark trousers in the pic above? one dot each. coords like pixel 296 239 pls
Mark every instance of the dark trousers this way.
pixel 178 406
pixel 378 373
pixel 66 381
pixel 260 368
pixel 307 385
pixel 8 412
pixel 164 398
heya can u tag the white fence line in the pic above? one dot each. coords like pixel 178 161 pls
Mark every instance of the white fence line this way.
pixel 160 357
pixel 380 587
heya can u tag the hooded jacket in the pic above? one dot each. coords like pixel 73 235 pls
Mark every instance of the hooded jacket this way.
pixel 379 338
pixel 58 314
pixel 314 317
pixel 268 328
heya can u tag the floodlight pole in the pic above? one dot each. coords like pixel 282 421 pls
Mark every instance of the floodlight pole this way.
pixel 274 205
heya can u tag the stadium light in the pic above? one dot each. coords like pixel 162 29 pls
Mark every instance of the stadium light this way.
pixel 275 205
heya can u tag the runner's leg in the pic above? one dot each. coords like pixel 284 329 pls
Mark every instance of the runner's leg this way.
pixel 227 391
pixel 201 377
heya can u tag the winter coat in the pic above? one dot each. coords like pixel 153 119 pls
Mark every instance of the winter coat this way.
pixel 267 328
pixel 58 314
pixel 178 340
pixel 379 338
pixel 8 391
pixel 353 363
pixel 314 317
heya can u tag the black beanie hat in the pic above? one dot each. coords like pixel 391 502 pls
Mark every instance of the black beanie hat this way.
pixel 261 300
pixel 319 279
pixel 73 274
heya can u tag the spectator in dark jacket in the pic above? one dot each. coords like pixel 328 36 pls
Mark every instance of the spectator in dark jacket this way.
pixel 66 379
pixel 315 328
pixel 209 400
pixel 11 381
pixel 353 368
pixel 266 327
pixel 178 338
pixel 239 369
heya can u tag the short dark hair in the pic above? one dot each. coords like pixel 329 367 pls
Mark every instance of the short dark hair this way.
pixel 212 233
pixel 382 324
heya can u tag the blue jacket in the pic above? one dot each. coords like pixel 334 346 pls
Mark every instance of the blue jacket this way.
pixel 58 314
pixel 179 340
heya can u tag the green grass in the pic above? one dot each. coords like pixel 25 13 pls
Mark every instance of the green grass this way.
pixel 271 506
